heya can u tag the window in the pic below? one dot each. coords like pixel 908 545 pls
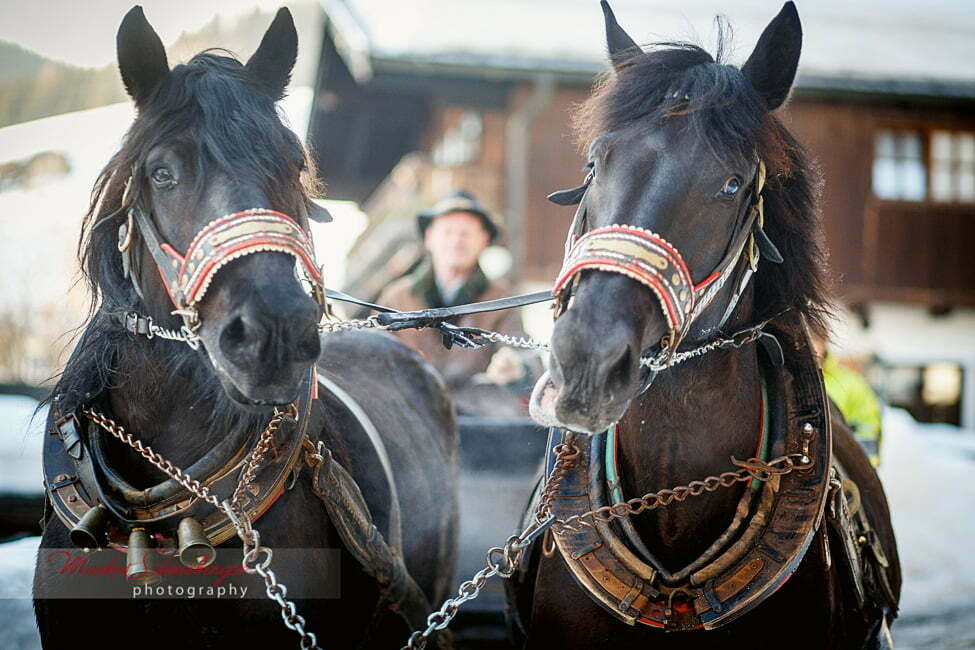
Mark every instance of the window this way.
pixel 898 166
pixel 916 165
pixel 952 166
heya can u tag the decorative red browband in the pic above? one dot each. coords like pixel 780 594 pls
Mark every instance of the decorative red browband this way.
pixel 234 236
pixel 187 277
pixel 641 255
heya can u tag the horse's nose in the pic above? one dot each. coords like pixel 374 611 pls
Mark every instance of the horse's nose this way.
pixel 251 336
pixel 593 366
pixel 604 362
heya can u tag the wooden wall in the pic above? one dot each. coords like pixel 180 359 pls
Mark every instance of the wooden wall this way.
pixel 890 250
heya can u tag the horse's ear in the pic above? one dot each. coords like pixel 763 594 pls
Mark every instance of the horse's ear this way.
pixel 271 64
pixel 621 47
pixel 141 55
pixel 771 68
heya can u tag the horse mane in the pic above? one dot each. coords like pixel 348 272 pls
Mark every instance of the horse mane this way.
pixel 212 109
pixel 682 81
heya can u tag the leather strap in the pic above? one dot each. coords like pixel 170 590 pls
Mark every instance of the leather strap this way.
pixel 75 485
pixel 395 526
pixel 427 317
pixel 759 559
pixel 348 512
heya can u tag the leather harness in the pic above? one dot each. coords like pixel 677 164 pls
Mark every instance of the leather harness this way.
pixel 774 527
pixel 651 260
pixel 776 520
pixel 78 479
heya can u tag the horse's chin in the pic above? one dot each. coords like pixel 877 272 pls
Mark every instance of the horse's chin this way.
pixel 251 401
pixel 547 408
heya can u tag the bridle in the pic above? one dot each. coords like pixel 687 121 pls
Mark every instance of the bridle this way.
pixel 651 260
pixel 188 276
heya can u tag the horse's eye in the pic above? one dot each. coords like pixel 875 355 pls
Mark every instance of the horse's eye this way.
pixel 590 170
pixel 731 187
pixel 162 177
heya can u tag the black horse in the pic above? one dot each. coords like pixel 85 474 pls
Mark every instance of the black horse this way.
pixel 206 142
pixel 680 146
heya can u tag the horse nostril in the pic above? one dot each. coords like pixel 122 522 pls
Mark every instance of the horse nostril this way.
pixel 308 345
pixel 240 335
pixel 619 370
pixel 234 332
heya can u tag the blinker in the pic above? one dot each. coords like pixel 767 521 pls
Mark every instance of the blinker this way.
pixel 568 197
pixel 768 250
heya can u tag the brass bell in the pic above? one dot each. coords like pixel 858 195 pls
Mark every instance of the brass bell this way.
pixel 195 550
pixel 138 560
pixel 89 532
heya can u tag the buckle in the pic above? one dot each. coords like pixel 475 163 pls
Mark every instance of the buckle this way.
pixel 70 434
pixel 138 324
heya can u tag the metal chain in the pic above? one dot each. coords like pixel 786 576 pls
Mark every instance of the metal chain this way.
pixel 251 539
pixel 481 338
pixel 501 561
pixel 504 561
pixel 185 334
pixel 330 326
pixel 263 444
pixel 515 341
pixel 753 468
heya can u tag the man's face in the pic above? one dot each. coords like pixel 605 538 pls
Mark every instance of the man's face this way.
pixel 455 240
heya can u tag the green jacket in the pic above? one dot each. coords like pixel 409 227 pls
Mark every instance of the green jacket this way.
pixel 857 402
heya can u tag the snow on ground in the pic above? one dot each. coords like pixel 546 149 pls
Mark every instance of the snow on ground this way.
pixel 928 473
pixel 929 476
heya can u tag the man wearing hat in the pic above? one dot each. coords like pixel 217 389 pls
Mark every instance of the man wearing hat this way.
pixel 455 233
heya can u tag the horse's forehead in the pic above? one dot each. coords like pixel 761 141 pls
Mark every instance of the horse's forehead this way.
pixel 667 143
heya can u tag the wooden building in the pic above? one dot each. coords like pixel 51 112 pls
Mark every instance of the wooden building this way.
pixel 409 107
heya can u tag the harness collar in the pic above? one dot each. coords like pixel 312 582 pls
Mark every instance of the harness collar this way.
pixel 78 480
pixel 775 531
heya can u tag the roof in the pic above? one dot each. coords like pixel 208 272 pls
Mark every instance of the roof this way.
pixel 869 46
